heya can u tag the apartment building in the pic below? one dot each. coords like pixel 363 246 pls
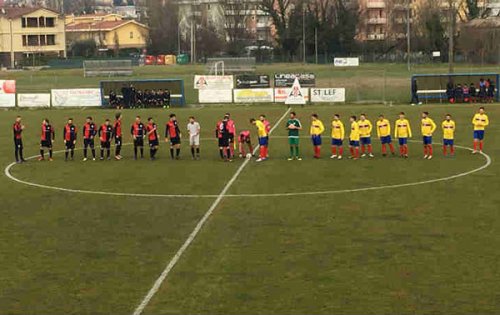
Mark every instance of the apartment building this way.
pixel 29 31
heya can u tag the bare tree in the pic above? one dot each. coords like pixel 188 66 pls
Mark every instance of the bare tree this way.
pixel 287 19
pixel 237 14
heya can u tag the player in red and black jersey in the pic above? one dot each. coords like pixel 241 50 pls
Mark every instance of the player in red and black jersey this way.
pixel 173 133
pixel 18 128
pixel 138 131
pixel 223 135
pixel 154 143
pixel 105 135
pixel 89 132
pixel 118 136
pixel 69 137
pixel 46 139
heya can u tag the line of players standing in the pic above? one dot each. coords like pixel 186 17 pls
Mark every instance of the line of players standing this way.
pixel 136 98
pixel 225 133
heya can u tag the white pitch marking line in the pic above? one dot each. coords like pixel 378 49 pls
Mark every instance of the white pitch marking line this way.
pixel 331 192
pixel 307 193
pixel 171 264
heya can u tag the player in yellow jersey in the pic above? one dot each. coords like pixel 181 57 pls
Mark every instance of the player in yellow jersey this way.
pixel 354 138
pixel 402 133
pixel 338 134
pixel 428 126
pixel 263 138
pixel 480 122
pixel 384 134
pixel 317 128
pixel 449 128
pixel 365 132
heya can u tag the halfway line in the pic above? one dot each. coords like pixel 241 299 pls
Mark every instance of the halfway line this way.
pixel 171 264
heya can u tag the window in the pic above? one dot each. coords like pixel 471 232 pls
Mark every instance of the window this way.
pixel 25 40
pixel 50 22
pixel 33 40
pixel 41 21
pixel 51 40
pixel 43 41
pixel 131 35
pixel 32 22
pixel 23 22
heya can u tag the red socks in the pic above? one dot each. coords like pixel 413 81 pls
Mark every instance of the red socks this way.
pixel 263 151
pixel 363 149
pixel 391 146
pixel 370 149
pixel 341 150
pixel 425 150
pixel 481 145
pixel 445 151
pixel 384 149
pixel 475 145
pixel 317 151
pixel 334 150
pixel 452 149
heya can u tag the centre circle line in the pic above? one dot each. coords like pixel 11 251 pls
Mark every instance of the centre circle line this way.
pixel 9 175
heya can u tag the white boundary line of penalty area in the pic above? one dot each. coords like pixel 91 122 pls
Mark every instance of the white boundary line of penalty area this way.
pixel 8 173
pixel 171 264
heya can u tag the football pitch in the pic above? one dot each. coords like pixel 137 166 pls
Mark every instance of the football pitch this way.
pixel 373 236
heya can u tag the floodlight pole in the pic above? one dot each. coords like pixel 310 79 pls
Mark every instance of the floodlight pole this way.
pixel 316 44
pixel 451 34
pixel 408 38
pixel 304 32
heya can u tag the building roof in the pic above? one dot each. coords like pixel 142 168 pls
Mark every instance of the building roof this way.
pixel 100 26
pixel 15 12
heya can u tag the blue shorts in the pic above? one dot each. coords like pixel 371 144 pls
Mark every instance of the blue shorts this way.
pixel 354 143
pixel 316 140
pixel 386 139
pixel 263 141
pixel 448 142
pixel 337 142
pixel 479 134
pixel 403 141
pixel 366 141
pixel 427 140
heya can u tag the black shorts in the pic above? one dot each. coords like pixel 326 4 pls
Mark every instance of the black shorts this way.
pixel 154 143
pixel 223 142
pixel 105 144
pixel 18 143
pixel 118 141
pixel 70 145
pixel 175 141
pixel 88 143
pixel 139 142
pixel 46 144
pixel 231 137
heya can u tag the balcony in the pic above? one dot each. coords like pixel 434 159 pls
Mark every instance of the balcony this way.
pixel 375 36
pixel 375 4
pixel 379 20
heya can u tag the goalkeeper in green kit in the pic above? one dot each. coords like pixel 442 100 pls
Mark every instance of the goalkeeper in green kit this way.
pixel 293 126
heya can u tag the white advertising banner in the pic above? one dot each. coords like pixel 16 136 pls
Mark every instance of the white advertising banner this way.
pixel 253 95
pixel 7 100
pixel 7 93
pixel 328 95
pixel 76 98
pixel 295 97
pixel 215 96
pixel 281 94
pixel 346 62
pixel 33 100
pixel 213 82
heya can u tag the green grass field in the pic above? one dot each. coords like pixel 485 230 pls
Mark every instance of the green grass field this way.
pixel 370 83
pixel 419 249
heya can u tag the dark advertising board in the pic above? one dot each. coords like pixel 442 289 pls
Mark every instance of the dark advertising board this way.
pixel 253 81
pixel 282 80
